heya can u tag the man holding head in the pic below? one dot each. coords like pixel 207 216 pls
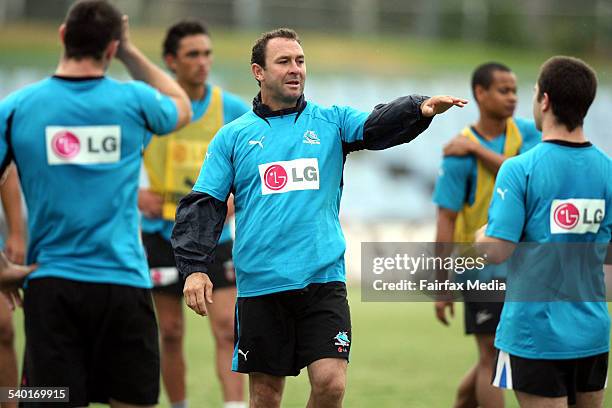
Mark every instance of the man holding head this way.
pixel 77 139
pixel 283 162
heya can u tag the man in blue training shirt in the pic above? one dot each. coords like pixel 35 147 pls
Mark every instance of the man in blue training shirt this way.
pixel 552 352
pixel 77 140
pixel 283 162
pixel 171 173
pixel 463 193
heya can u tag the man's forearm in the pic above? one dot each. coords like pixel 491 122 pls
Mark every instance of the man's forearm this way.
pixel 11 202
pixel 199 223
pixel 394 123
pixel 489 158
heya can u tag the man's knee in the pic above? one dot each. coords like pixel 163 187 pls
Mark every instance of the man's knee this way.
pixel 330 387
pixel 171 333
pixel 223 330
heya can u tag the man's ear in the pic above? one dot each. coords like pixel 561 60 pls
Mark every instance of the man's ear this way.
pixel 62 32
pixel 258 72
pixel 170 61
pixel 111 50
pixel 545 102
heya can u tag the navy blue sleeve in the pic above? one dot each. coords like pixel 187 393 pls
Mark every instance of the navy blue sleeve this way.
pixel 391 124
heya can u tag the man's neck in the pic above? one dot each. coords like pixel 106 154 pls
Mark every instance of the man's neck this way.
pixel 554 131
pixel 195 92
pixel 277 105
pixel 86 67
pixel 490 128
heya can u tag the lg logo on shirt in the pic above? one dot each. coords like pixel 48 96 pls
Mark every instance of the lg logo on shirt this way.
pixel 83 144
pixel 292 175
pixel 576 215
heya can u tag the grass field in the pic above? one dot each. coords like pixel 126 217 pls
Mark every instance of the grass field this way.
pixel 400 357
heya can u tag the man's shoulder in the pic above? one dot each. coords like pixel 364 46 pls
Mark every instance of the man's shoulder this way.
pixel 240 125
pixel 18 95
pixel 331 114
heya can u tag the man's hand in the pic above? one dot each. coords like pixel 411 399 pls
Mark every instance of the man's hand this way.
pixel 459 146
pixel 14 248
pixel 11 279
pixel 198 291
pixel 125 45
pixel 441 307
pixel 440 104
pixel 150 203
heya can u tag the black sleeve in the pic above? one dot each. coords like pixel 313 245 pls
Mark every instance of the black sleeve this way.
pixel 392 124
pixel 199 223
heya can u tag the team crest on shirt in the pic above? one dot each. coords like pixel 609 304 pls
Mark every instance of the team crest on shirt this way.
pixel 576 215
pixel 342 341
pixel 83 144
pixel 311 137
pixel 285 176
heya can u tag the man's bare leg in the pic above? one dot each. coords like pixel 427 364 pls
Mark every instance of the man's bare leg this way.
pixel 327 383
pixel 487 395
pixel 590 399
pixel 466 393
pixel 169 309
pixel 221 314
pixel 265 391
pixel 8 356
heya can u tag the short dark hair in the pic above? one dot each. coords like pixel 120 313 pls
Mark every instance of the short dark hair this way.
pixel 571 85
pixel 91 25
pixel 258 54
pixel 483 75
pixel 180 30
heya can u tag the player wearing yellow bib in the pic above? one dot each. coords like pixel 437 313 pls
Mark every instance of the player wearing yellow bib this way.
pixel 463 193
pixel 172 165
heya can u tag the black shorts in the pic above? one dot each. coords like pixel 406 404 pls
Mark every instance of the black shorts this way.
pixel 551 378
pixel 281 333
pixel 100 340
pixel 165 276
pixel 482 317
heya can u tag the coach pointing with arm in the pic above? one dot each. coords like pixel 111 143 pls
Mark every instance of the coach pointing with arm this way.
pixel 283 161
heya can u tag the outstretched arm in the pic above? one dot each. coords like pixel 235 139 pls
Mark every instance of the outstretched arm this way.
pixel 401 120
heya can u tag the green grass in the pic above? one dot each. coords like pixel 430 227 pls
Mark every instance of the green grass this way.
pixel 400 357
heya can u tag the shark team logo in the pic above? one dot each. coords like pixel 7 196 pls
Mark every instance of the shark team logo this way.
pixel 292 175
pixel 576 215
pixel 342 341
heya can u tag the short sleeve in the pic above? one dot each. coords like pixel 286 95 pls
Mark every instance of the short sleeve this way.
pixel 160 111
pixel 351 123
pixel 6 112
pixel 217 172
pixel 451 191
pixel 531 135
pixel 507 210
pixel 233 107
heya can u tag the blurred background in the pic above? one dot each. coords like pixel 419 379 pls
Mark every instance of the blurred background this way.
pixel 361 53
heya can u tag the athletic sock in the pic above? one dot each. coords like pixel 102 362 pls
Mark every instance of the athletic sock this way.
pixel 180 404
pixel 235 404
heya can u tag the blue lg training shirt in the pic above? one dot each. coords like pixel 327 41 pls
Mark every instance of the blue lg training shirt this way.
pixel 555 193
pixel 78 147
pixel 286 176
pixel 233 108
